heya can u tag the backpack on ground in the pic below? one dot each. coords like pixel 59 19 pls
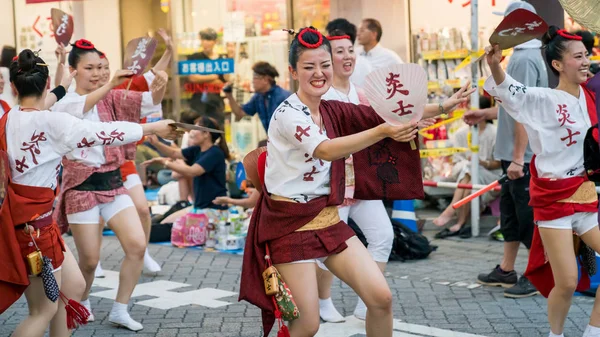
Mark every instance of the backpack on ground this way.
pixel 409 245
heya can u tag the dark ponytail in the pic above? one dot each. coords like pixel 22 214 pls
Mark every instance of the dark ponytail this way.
pixel 306 38
pixel 29 74
pixel 555 44
pixel 80 48
pixel 220 137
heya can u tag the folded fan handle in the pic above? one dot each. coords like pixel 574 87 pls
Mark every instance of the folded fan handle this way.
pixel 484 190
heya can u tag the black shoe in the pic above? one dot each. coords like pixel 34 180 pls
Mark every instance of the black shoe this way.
pixel 465 232
pixel 498 278
pixel 522 289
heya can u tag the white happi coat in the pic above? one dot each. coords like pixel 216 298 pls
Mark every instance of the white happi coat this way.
pixel 37 140
pixel 556 123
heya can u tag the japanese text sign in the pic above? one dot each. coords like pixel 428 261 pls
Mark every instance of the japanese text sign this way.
pixel 138 54
pixel 206 67
pixel 398 93
pixel 62 24
pixel 518 27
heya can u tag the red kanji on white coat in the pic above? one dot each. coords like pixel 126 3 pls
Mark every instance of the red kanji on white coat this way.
pixel 309 175
pixel 570 137
pixel 563 115
pixel 301 132
pixel 33 146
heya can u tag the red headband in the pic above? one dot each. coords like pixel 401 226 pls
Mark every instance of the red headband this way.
pixel 310 45
pixel 102 55
pixel 568 35
pixel 16 58
pixel 84 44
pixel 331 38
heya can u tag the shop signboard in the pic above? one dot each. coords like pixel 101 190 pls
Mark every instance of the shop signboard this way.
pixel 206 67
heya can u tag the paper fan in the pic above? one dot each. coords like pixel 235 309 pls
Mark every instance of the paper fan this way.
pixel 138 54
pixel 63 26
pixel 398 93
pixel 518 27
pixel 251 166
pixel 584 12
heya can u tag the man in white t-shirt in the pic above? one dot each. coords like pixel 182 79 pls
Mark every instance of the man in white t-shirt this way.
pixel 369 35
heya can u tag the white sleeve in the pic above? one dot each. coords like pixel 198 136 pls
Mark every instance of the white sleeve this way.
pixel 524 104
pixel 69 133
pixel 148 106
pixel 149 76
pixel 298 130
pixel 73 104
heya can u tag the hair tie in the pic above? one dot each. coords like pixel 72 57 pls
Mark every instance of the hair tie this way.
pixel 102 55
pixel 16 58
pixel 84 44
pixel 310 45
pixel 568 35
pixel 331 38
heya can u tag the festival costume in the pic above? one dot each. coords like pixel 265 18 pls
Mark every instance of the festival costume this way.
pixel 307 228
pixel 556 124
pixel 91 175
pixel 30 166
pixel 4 108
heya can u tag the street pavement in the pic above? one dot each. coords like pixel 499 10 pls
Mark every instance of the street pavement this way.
pixel 195 295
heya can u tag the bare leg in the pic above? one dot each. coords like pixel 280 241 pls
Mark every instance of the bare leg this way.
pixel 88 241
pixel 558 244
pixel 356 267
pixel 511 249
pixel 128 229
pixel 448 213
pixel 141 205
pixel 72 286
pixel 301 278
pixel 41 309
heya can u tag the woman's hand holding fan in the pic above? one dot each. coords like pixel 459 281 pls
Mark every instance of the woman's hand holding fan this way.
pixel 120 76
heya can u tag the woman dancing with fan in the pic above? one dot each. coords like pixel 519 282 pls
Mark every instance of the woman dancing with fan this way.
pixel 92 185
pixel 32 143
pixel 303 184
pixel 131 179
pixel 563 200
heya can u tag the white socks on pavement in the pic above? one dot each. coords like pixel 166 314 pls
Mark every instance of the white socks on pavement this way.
pixel 328 311
pixel 591 331
pixel 150 264
pixel 555 335
pixel 360 311
pixel 88 306
pixel 119 316
pixel 99 273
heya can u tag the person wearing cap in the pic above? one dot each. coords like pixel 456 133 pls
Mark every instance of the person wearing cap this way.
pixel 526 66
pixel 267 98
pixel 208 102
pixel 369 36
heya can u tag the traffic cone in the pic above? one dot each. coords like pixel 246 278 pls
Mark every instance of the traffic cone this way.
pixel 404 212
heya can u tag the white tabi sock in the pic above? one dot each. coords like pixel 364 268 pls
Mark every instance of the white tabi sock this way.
pixel 328 311
pixel 591 331
pixel 555 335
pixel 150 264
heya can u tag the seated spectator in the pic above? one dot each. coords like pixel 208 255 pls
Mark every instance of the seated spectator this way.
pixel 489 171
pixel 204 162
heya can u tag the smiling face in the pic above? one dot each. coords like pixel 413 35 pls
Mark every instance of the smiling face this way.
pixel 343 57
pixel 575 64
pixel 89 72
pixel 313 72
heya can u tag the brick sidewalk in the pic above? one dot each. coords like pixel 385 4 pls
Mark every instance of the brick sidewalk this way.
pixel 195 295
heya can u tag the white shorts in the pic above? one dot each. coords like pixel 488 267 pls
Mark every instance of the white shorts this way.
pixel 107 211
pixel 132 180
pixel 580 223
pixel 319 261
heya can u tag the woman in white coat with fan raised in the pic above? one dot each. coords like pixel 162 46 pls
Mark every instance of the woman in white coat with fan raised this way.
pixel 304 182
